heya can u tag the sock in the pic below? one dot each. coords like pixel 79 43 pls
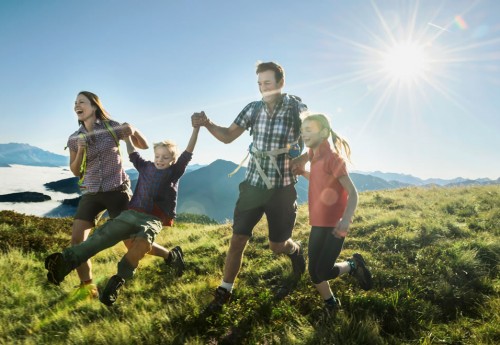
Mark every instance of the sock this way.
pixel 344 267
pixel 352 264
pixel 331 302
pixel 85 282
pixel 227 286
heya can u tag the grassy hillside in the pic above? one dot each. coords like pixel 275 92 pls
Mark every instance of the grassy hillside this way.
pixel 434 254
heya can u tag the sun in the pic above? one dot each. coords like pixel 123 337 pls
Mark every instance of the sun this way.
pixel 405 62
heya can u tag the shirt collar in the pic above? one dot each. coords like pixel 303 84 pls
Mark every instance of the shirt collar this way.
pixel 82 128
pixel 324 147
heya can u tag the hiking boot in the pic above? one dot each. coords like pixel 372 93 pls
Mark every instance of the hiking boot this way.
pixel 221 297
pixel 332 304
pixel 110 292
pixel 176 260
pixel 298 261
pixel 56 266
pixel 360 271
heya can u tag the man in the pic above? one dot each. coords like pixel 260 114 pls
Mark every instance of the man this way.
pixel 269 185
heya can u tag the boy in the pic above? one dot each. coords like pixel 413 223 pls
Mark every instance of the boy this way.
pixel 152 207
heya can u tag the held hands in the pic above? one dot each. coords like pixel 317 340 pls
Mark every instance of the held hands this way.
pixel 199 119
pixel 128 130
pixel 297 165
pixel 342 228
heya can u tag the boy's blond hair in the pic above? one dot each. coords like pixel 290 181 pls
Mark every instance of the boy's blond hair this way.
pixel 170 145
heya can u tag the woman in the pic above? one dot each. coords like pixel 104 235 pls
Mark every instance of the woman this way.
pixel 95 158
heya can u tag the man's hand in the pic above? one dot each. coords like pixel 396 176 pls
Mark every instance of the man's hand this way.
pixel 297 165
pixel 199 119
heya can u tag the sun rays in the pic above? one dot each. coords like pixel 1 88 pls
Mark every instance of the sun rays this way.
pixel 407 58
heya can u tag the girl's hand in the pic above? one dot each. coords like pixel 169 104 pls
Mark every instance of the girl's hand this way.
pixel 342 228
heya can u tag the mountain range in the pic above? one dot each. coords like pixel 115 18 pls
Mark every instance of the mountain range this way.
pixel 207 189
pixel 24 154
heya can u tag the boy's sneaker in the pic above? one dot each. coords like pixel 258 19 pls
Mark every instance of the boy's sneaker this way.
pixel 176 260
pixel 221 297
pixel 56 266
pixel 332 304
pixel 360 271
pixel 298 261
pixel 111 291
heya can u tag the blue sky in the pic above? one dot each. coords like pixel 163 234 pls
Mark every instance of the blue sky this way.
pixel 413 86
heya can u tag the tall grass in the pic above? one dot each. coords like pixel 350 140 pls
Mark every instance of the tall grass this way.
pixel 434 254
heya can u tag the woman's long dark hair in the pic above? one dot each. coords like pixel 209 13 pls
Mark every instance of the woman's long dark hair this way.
pixel 100 112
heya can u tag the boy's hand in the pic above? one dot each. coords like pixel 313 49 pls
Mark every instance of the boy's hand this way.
pixel 199 119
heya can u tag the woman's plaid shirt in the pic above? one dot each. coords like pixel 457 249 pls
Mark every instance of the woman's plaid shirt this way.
pixel 271 132
pixel 104 162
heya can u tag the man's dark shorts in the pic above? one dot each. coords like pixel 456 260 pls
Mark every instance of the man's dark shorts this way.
pixel 278 204
pixel 92 205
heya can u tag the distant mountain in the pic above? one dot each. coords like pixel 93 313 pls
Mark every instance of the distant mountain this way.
pixel 193 167
pixel 412 180
pixel 368 182
pixel 209 191
pixel 482 181
pixel 25 154
pixel 403 178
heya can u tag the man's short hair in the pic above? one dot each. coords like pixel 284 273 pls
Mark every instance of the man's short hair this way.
pixel 279 72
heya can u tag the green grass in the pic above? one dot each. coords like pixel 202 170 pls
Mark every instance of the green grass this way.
pixel 434 254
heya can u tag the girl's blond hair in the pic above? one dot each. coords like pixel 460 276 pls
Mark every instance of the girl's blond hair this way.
pixel 340 145
pixel 170 145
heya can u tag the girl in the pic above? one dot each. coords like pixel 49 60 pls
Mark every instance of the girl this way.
pixel 332 202
pixel 95 158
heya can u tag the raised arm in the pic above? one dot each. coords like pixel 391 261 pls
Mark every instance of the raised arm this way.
pixel 138 139
pixel 130 145
pixel 223 134
pixel 192 140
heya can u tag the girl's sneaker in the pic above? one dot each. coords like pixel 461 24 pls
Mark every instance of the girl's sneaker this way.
pixel 360 271
pixel 332 304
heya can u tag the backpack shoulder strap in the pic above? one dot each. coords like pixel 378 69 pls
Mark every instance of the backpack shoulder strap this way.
pixel 112 132
pixel 255 112
pixel 297 121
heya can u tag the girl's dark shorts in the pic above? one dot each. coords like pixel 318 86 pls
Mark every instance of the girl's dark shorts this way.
pixel 278 204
